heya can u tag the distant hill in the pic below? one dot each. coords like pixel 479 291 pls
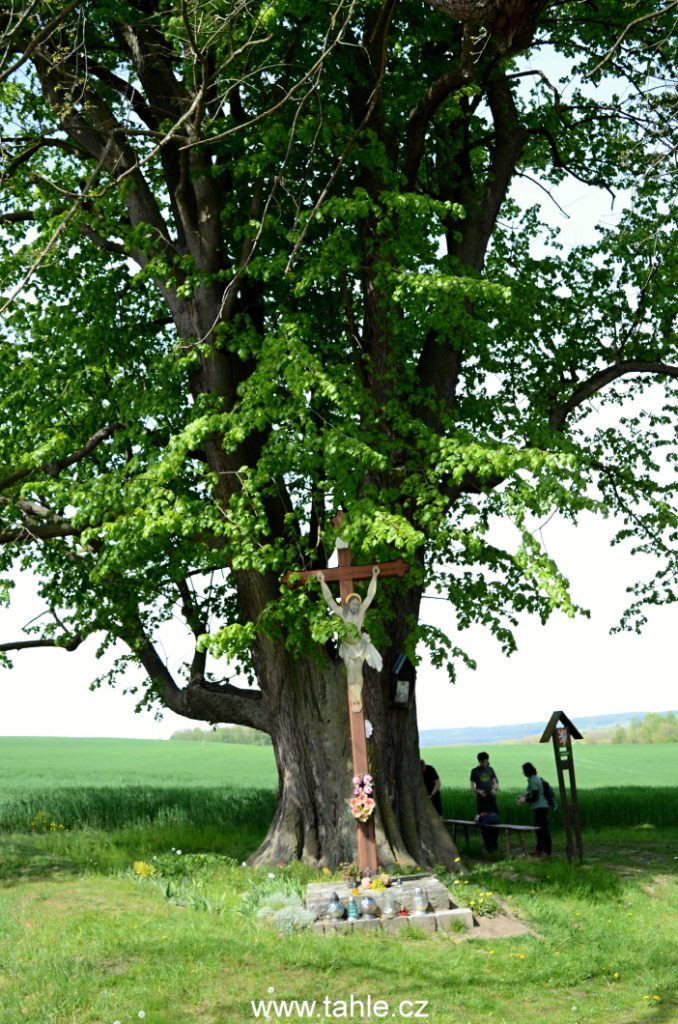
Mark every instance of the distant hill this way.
pixel 479 735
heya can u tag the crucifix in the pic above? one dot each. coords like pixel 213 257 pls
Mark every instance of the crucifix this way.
pixel 354 653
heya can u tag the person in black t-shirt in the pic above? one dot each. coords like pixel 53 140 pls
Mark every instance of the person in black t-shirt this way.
pixel 432 783
pixel 484 783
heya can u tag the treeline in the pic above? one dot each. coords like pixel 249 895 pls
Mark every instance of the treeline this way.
pixel 652 728
pixel 225 734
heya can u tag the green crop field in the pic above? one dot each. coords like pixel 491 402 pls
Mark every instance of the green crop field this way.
pixel 27 763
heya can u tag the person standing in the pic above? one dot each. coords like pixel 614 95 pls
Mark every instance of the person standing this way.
pixel 534 796
pixel 484 783
pixel 432 783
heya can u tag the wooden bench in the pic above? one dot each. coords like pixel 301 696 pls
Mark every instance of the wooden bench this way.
pixel 518 830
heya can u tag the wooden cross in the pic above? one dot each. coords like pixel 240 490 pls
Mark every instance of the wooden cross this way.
pixel 345 575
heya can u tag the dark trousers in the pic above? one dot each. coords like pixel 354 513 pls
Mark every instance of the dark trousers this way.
pixel 490 835
pixel 541 821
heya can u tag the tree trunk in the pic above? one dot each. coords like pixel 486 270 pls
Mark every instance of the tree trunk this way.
pixel 308 723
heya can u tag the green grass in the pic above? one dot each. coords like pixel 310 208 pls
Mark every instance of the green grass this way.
pixel 83 941
pixel 193 809
pixel 44 762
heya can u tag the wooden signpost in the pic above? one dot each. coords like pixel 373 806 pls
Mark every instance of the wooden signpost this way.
pixel 345 575
pixel 561 731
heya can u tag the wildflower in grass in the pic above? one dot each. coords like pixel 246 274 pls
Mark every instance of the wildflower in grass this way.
pixel 142 869
pixel 141 1015
pixel 271 875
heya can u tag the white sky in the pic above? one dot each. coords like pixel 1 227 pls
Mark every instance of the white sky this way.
pixel 570 665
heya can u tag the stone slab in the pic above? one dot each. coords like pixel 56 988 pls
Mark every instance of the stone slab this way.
pixel 448 919
pixel 424 922
pixel 393 925
pixel 364 924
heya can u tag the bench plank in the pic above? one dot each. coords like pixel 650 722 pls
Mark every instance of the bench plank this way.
pixel 507 829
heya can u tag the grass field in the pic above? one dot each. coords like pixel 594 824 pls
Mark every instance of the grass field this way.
pixel 85 938
pixel 44 762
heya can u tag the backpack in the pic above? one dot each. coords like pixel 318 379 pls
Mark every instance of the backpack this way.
pixel 548 795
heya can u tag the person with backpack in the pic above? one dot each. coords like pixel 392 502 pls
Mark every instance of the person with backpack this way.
pixel 536 798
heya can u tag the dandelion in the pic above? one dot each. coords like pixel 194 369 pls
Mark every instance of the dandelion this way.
pixel 616 974
pixel 143 870
pixel 141 1015
pixel 657 999
pixel 456 882
pixel 178 853
pixel 270 990
pixel 271 875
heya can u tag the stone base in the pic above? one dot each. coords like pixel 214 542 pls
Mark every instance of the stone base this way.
pixel 439 921
pixel 442 914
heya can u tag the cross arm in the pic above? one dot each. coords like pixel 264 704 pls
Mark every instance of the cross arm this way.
pixel 346 572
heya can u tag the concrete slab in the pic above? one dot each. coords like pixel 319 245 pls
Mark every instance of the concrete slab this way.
pixel 449 919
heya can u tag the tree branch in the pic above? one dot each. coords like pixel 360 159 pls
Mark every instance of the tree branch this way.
pixel 421 115
pixel 200 700
pixel 599 380
pixel 54 468
pixel 26 534
pixel 23 645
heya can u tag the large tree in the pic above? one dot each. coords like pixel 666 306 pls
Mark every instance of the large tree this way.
pixel 260 262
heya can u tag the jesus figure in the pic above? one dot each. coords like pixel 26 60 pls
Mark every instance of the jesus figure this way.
pixel 357 647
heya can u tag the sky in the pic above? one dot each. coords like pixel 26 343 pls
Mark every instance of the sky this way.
pixel 571 665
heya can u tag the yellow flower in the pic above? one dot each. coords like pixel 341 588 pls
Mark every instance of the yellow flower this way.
pixel 326 872
pixel 142 869
pixel 457 859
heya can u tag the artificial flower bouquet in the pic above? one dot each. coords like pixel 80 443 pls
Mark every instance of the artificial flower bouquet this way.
pixel 362 803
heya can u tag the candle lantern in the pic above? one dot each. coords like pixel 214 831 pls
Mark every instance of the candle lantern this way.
pixel 335 909
pixel 353 909
pixel 368 905
pixel 419 901
pixel 389 906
